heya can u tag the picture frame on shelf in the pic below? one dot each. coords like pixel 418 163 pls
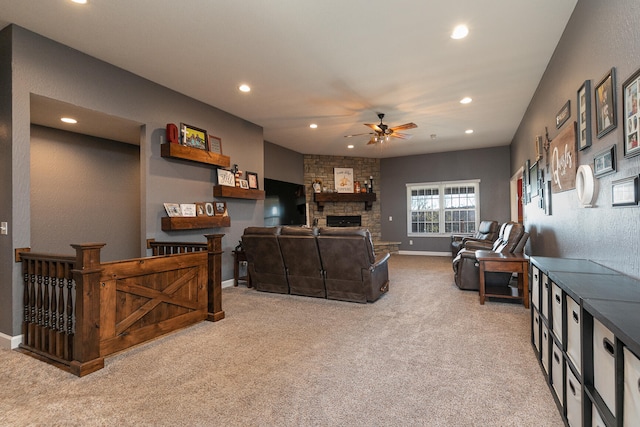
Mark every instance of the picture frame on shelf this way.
pixel 194 137
pixel 604 162
pixel 631 115
pixel 221 209
pixel 563 115
pixel 172 209
pixel 226 177
pixel 605 100
pixel 188 209
pixel 624 192
pixel 252 178
pixel 209 209
pixel 215 144
pixel 584 115
pixel 200 209
pixel 244 184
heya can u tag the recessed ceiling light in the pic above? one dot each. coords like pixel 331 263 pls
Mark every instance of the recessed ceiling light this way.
pixel 460 32
pixel 313 126
pixel 80 1
pixel 350 146
pixel 69 120
pixel 465 100
pixel 244 88
pixel 468 131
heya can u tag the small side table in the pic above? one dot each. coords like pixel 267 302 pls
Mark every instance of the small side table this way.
pixel 238 257
pixel 510 263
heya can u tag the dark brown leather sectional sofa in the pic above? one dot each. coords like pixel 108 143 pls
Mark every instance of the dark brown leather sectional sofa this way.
pixel 328 262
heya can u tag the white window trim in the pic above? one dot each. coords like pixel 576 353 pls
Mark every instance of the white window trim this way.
pixel 441 185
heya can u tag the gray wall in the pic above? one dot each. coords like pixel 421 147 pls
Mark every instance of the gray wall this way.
pixel 84 186
pixel 490 165
pixel 283 164
pixel 43 67
pixel 599 35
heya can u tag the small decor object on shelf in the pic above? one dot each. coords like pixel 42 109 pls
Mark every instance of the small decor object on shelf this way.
pixel 605 94
pixel 238 176
pixel 193 136
pixel 226 177
pixel 200 209
pixel 317 186
pixel 252 177
pixel 173 209
pixel 188 209
pixel 244 184
pixel 221 209
pixel 172 134
pixel 215 144
pixel 208 208
pixel 371 184
pixel 356 187
pixel 343 179
pixel 631 108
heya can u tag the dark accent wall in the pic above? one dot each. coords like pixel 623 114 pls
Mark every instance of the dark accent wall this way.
pixel 599 35
pixel 283 164
pixel 489 165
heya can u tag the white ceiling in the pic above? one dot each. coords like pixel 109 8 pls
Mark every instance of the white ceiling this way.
pixel 332 62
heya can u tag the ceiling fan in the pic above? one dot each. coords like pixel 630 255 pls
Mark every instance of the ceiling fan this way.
pixel 381 132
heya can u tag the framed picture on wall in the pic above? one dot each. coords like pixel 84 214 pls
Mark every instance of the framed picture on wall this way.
pixel 604 162
pixel 625 192
pixel 605 94
pixel 631 115
pixel 584 115
pixel 563 115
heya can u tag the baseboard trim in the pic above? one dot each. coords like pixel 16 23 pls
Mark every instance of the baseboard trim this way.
pixel 227 283
pixel 8 342
pixel 425 253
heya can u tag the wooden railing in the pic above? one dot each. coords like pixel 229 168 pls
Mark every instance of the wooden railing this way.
pixel 167 248
pixel 78 310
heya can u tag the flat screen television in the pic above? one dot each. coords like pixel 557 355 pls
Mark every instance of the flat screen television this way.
pixel 284 204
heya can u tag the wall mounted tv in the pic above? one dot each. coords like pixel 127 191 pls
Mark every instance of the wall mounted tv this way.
pixel 284 204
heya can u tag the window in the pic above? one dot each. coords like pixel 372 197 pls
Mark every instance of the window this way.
pixel 443 207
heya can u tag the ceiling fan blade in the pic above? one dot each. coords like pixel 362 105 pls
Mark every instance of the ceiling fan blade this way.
pixel 372 141
pixel 374 127
pixel 401 135
pixel 358 134
pixel 404 127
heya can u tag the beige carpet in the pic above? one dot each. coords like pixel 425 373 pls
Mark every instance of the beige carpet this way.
pixel 425 354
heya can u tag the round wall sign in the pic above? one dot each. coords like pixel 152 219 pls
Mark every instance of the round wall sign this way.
pixel 585 184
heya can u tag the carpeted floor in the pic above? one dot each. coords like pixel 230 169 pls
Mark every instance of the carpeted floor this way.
pixel 425 354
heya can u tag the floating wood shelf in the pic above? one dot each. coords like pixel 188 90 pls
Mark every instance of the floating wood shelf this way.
pixel 237 193
pixel 177 151
pixel 322 198
pixel 170 223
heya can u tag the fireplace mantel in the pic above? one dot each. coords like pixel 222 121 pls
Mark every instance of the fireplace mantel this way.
pixel 322 198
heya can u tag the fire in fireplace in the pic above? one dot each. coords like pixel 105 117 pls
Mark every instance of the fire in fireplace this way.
pixel 344 221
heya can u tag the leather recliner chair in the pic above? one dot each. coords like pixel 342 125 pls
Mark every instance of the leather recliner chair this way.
pixel 265 263
pixel 487 231
pixel 302 261
pixel 352 270
pixel 512 239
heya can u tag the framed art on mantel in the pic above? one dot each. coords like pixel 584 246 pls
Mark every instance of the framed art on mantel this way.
pixel 605 94
pixel 584 115
pixel 631 115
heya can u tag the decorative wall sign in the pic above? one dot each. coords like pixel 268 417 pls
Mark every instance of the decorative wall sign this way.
pixel 606 104
pixel 563 160
pixel 215 144
pixel 584 115
pixel 563 115
pixel 226 177
pixel 631 108
pixel 343 179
